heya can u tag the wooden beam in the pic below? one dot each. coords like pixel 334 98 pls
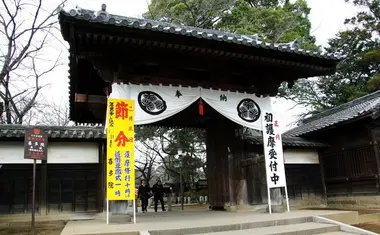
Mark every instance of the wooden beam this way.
pixel 231 51
pixel 154 80
pixel 212 62
pixel 90 99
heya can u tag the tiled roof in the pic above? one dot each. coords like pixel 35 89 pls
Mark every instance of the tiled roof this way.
pixel 290 142
pixel 104 17
pixel 67 132
pixel 360 107
pixel 91 133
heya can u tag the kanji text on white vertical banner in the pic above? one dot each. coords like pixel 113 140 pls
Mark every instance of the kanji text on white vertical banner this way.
pixel 274 158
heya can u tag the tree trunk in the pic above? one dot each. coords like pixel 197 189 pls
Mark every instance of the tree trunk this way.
pixel 8 113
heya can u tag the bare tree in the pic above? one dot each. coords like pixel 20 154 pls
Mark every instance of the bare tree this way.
pixel 49 114
pixel 25 29
pixel 164 143
pixel 147 161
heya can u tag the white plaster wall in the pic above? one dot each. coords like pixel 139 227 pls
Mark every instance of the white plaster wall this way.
pixel 58 152
pixel 301 156
pixel 73 152
pixel 13 152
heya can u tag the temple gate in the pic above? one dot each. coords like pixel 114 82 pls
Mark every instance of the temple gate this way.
pixel 157 63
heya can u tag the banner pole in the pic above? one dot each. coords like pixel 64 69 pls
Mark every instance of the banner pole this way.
pixel 269 202
pixel 108 208
pixel 134 211
pixel 287 198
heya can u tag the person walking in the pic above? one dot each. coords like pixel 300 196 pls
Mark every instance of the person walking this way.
pixel 158 191
pixel 143 194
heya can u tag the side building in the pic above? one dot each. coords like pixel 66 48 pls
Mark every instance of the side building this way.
pixel 69 181
pixel 351 165
pixel 302 169
pixel 73 178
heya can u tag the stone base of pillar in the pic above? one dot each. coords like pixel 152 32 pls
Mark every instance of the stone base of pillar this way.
pixel 276 209
pixel 120 218
pixel 115 217
pixel 230 208
pixel 119 207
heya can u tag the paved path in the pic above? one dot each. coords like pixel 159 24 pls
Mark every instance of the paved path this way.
pixel 182 220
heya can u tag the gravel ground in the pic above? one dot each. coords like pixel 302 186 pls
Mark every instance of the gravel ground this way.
pixel 23 228
pixel 372 226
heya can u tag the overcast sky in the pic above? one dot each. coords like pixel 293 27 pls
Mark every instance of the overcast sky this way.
pixel 326 16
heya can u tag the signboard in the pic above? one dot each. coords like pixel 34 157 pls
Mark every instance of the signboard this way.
pixel 274 157
pixel 120 150
pixel 35 145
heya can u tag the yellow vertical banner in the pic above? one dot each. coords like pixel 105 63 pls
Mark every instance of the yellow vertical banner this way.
pixel 120 150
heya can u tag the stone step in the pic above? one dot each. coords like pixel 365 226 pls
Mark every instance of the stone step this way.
pixel 233 227
pixel 338 233
pixel 308 228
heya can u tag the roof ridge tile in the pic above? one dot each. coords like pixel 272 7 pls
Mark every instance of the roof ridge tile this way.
pixel 359 107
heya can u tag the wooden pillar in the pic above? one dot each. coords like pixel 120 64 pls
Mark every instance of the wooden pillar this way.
pixel 101 177
pixel 377 154
pixel 231 182
pixel 218 136
pixel 227 181
pixel 322 170
pixel 239 171
pixel 43 189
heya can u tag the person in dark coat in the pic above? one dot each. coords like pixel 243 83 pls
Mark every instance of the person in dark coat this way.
pixel 143 194
pixel 158 191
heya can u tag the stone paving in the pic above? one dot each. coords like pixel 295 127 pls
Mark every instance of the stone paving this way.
pixel 183 220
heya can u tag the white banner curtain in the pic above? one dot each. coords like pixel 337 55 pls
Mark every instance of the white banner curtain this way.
pixel 154 103
pixel 241 108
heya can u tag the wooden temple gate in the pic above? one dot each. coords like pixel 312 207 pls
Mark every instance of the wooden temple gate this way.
pixel 107 49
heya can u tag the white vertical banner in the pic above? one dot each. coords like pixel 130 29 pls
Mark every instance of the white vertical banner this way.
pixel 273 152
pixel 274 157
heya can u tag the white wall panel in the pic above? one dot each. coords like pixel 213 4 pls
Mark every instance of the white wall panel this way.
pixel 13 153
pixel 73 152
pixel 301 156
pixel 58 152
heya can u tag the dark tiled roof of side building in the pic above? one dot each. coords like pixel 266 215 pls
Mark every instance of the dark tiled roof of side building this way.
pixel 295 142
pixel 55 132
pixel 95 133
pixel 363 106
pixel 143 24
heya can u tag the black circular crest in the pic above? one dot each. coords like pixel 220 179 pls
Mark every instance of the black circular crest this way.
pixel 248 110
pixel 151 102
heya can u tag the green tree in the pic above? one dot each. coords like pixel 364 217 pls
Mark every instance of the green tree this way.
pixel 273 21
pixel 197 13
pixel 358 73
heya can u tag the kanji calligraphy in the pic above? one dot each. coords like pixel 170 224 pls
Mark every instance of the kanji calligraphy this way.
pixel 223 97
pixel 122 139
pixel 178 94
pixel 121 110
pixel 120 150
pixel 35 144
pixel 274 159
